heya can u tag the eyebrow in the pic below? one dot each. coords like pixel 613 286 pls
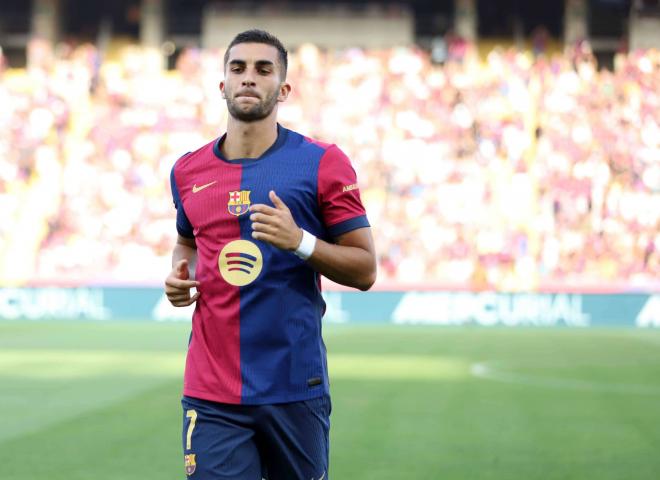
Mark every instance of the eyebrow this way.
pixel 258 63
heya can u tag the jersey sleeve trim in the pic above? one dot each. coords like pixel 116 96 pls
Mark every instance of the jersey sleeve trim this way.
pixel 348 225
pixel 183 225
pixel 338 194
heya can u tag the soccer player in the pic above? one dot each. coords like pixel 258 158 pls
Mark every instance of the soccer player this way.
pixel 262 212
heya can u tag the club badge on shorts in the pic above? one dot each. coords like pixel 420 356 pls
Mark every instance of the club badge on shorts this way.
pixel 190 463
pixel 239 202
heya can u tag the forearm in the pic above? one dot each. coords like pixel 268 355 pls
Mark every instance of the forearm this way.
pixel 351 266
pixel 351 261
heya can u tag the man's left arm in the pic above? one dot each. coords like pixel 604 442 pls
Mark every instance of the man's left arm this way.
pixel 351 261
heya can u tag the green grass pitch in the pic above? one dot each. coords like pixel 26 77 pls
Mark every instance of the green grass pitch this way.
pixel 101 401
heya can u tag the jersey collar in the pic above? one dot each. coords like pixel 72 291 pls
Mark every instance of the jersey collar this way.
pixel 281 139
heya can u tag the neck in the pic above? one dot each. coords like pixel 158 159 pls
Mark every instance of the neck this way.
pixel 249 140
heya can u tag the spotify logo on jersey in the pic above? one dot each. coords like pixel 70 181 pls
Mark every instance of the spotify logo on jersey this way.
pixel 240 262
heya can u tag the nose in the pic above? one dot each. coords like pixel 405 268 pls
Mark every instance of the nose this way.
pixel 248 79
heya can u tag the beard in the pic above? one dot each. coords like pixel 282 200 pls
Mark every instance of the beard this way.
pixel 255 112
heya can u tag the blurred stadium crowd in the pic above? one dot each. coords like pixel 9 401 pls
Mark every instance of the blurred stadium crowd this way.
pixel 514 172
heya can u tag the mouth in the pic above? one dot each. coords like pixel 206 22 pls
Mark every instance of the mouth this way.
pixel 247 95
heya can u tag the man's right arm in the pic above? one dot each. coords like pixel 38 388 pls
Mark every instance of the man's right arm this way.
pixel 180 280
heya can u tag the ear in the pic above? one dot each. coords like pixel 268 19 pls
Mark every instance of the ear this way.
pixel 285 90
pixel 222 89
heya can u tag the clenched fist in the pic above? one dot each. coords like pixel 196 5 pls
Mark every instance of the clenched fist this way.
pixel 178 285
pixel 275 225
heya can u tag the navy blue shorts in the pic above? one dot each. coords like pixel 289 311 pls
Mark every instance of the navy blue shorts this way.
pixel 286 441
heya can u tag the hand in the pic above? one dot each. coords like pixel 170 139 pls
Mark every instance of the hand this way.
pixel 178 285
pixel 275 225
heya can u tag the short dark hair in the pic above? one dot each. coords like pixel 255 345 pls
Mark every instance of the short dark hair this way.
pixel 261 36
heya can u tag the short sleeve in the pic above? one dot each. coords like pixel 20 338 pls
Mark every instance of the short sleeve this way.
pixel 338 194
pixel 183 226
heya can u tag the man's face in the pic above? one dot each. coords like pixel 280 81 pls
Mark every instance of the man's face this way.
pixel 253 83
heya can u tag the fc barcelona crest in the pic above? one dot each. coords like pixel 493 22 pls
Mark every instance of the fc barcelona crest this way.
pixel 190 464
pixel 239 202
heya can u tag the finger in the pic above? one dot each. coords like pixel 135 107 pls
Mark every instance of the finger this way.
pixel 275 222
pixel 265 237
pixel 175 299
pixel 183 300
pixel 190 301
pixel 265 209
pixel 179 283
pixel 265 228
pixel 277 201
pixel 262 218
pixel 179 295
pixel 182 303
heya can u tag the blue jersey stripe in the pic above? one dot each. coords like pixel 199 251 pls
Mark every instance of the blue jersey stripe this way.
pixel 281 345
pixel 348 225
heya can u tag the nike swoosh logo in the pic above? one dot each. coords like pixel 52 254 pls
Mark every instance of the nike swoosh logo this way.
pixel 196 189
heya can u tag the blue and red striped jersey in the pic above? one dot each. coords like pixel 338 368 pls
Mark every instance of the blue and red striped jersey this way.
pixel 256 329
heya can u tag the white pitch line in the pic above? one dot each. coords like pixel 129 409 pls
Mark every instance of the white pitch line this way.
pixel 483 370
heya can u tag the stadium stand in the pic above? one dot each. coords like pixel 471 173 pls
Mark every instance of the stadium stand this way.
pixel 516 172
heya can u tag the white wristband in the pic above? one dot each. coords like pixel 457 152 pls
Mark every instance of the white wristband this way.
pixel 306 247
